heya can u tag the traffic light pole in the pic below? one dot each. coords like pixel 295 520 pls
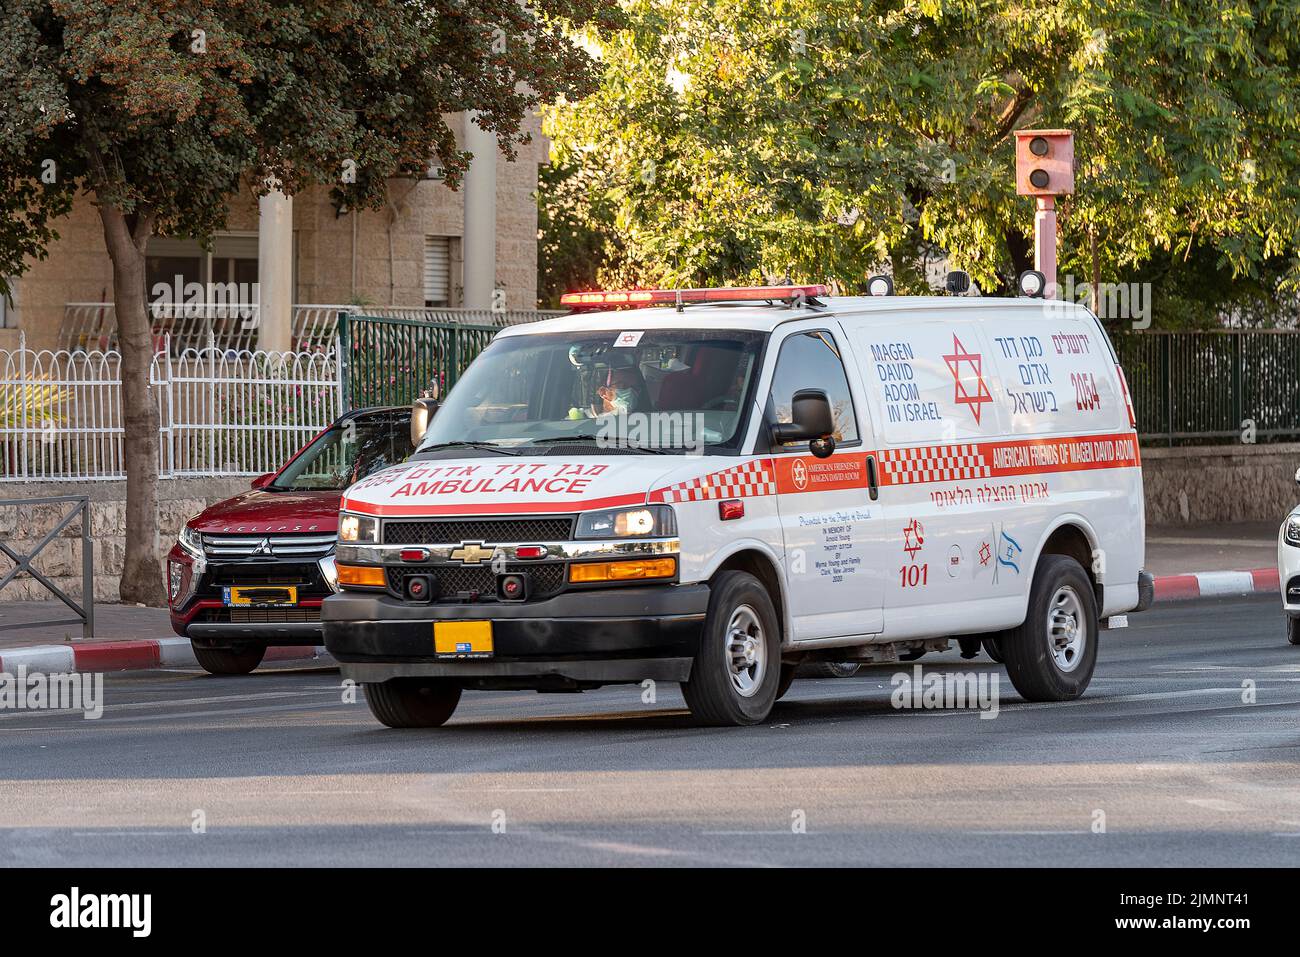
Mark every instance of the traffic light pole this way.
pixel 1045 241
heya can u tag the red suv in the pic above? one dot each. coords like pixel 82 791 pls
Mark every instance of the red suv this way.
pixel 252 571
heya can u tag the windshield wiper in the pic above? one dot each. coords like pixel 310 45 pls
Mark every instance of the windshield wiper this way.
pixel 485 446
pixel 560 440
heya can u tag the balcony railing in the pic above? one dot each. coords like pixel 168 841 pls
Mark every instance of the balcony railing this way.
pixel 92 326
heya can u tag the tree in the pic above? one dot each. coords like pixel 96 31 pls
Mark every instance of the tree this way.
pixel 162 109
pixel 821 139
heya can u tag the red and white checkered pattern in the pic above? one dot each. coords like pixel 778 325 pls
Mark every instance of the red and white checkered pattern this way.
pixel 934 463
pixel 742 481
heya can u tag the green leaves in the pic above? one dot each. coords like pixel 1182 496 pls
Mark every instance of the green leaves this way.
pixel 818 139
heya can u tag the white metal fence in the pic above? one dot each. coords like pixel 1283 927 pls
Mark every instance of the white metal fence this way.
pixel 92 326
pixel 220 411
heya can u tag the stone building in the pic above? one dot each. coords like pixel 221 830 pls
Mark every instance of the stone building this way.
pixel 475 247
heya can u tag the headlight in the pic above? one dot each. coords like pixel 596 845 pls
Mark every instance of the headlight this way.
pixel 358 528
pixel 191 541
pixel 645 521
pixel 1292 532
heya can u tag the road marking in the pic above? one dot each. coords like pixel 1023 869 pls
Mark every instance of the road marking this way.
pixel 1231 542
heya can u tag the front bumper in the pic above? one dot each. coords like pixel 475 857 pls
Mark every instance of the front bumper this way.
pixel 597 636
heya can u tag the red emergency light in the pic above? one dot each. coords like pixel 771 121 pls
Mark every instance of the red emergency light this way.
pixel 672 297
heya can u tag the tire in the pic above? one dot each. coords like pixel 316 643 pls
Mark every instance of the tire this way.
pixel 1051 655
pixel 787 679
pixel 737 669
pixel 993 648
pixel 229 661
pixel 831 669
pixel 413 702
pixel 1293 630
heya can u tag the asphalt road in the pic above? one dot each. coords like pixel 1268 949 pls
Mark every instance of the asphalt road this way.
pixel 1161 763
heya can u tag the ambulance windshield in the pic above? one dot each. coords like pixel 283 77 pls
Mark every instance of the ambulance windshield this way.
pixel 666 390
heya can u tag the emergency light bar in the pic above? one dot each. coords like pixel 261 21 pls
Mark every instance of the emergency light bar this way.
pixel 672 297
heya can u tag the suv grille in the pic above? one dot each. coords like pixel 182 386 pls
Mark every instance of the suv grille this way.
pixel 254 616
pixel 451 530
pixel 450 580
pixel 233 547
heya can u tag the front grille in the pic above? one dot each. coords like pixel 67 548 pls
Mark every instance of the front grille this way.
pixel 451 582
pixel 450 531
pixel 234 547
pixel 253 616
pixel 306 576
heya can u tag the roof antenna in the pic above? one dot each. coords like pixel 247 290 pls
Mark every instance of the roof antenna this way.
pixel 680 307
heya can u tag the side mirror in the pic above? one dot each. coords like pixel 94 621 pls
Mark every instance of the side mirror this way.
pixel 262 481
pixel 813 423
pixel 1297 476
pixel 422 412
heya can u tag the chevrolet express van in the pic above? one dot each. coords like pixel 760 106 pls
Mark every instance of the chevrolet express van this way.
pixel 712 486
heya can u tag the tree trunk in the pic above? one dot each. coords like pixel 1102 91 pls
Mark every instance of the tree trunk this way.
pixel 142 575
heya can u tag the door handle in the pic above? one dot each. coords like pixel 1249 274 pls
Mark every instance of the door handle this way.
pixel 873 479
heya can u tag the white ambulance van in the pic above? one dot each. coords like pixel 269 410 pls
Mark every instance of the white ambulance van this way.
pixel 711 486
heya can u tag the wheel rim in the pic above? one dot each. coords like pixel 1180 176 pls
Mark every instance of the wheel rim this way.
pixel 1067 630
pixel 746 651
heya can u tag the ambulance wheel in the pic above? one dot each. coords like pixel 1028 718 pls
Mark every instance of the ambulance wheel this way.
pixel 737 668
pixel 993 648
pixel 229 661
pixel 1293 630
pixel 832 669
pixel 787 679
pixel 413 702
pixel 1050 657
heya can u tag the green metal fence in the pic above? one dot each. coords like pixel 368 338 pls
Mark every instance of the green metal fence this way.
pixel 1205 387
pixel 395 361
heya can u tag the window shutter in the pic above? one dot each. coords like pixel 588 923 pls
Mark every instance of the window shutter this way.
pixel 437 271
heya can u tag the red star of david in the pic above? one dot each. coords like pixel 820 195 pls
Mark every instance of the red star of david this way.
pixel 960 394
pixel 985 553
pixel 913 539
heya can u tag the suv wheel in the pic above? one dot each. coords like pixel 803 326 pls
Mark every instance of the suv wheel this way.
pixel 229 661
pixel 737 668
pixel 1293 630
pixel 413 702
pixel 1051 656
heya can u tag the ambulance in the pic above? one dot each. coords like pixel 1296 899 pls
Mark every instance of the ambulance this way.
pixel 712 486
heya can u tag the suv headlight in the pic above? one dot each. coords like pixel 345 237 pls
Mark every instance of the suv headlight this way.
pixel 191 541
pixel 644 521
pixel 1291 532
pixel 358 528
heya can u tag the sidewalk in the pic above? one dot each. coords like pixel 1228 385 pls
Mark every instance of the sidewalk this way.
pixel 1188 561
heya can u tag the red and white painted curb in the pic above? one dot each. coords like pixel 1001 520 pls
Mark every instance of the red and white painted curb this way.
pixel 127 655
pixel 1260 581
pixel 177 652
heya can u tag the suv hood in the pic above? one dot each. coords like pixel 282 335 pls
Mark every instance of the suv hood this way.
pixel 509 485
pixel 268 512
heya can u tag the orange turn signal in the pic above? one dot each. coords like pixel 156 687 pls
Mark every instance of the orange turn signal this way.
pixel 624 570
pixel 366 575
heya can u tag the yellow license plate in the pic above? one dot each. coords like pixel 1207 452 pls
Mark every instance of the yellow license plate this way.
pixel 263 596
pixel 462 639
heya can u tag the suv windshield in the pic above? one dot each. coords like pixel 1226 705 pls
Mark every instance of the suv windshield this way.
pixel 347 452
pixel 666 389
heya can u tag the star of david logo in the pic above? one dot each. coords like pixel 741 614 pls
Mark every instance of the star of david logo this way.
pixel 913 539
pixel 799 472
pixel 961 395
pixel 985 553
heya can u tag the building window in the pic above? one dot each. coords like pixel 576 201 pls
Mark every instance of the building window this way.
pixel 232 259
pixel 437 271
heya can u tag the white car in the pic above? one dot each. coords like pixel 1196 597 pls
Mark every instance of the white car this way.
pixel 724 483
pixel 1288 570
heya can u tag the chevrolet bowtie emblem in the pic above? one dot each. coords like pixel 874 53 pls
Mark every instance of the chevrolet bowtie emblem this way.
pixel 472 553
